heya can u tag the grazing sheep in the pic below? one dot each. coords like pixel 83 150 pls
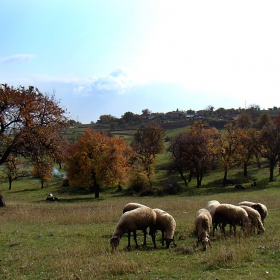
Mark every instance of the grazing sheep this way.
pixel 229 214
pixel 211 206
pixel 167 225
pixel 261 208
pixel 132 206
pixel 50 197
pixel 203 222
pixel 255 218
pixel 137 219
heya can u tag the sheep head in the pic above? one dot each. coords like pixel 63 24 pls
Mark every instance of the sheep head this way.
pixel 115 240
pixel 205 241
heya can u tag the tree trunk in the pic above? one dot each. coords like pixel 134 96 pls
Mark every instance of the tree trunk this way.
pixel 198 181
pixel 271 169
pixel 42 184
pixel 96 189
pixel 184 179
pixel 245 171
pixel 10 183
pixel 225 177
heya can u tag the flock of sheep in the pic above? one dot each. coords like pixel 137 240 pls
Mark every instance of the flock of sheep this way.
pixel 247 215
pixel 140 217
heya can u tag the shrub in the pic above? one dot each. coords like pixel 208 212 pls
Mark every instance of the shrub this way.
pixel 138 181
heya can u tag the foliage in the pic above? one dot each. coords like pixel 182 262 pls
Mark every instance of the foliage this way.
pixel 138 179
pixel 269 145
pixel 30 123
pixel 228 145
pixel 43 171
pixel 148 143
pixel 97 160
pixel 14 169
pixel 193 150
pixel 244 121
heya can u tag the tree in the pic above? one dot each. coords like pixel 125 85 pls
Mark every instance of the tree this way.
pixel 177 155
pixel 29 122
pixel 146 113
pixel 13 169
pixel 128 117
pixel 97 160
pixel 263 120
pixel 269 146
pixel 194 150
pixel 246 149
pixel 227 145
pixel 244 121
pixel 43 171
pixel 148 143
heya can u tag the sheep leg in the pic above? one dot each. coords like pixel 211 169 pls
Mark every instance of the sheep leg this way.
pixel 145 238
pixel 162 238
pixel 128 238
pixel 135 239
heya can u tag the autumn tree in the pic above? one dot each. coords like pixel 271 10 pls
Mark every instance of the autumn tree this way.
pixel 227 145
pixel 195 150
pixel 97 160
pixel 14 169
pixel 29 122
pixel 264 119
pixel 246 149
pixel 244 121
pixel 269 145
pixel 148 143
pixel 43 171
pixel 178 160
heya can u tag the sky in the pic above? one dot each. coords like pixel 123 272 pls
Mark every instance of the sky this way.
pixel 112 57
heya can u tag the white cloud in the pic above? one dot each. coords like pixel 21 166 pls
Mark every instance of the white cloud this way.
pixel 17 58
pixel 118 81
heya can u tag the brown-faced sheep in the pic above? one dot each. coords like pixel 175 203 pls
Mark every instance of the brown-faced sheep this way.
pixel 203 222
pixel 167 225
pixel 131 221
pixel 211 206
pixel 261 208
pixel 230 214
pixel 255 219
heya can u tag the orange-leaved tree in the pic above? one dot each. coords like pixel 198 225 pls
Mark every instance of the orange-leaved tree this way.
pixel 97 160
pixel 29 122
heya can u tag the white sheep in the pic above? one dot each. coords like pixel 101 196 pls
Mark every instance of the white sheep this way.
pixel 137 219
pixel 211 206
pixel 167 225
pixel 261 208
pixel 203 222
pixel 131 206
pixel 255 218
pixel 230 214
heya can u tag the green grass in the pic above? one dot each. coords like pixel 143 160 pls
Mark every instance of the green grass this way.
pixel 69 239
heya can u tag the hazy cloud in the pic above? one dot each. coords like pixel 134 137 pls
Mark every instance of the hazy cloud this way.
pixel 17 58
pixel 118 81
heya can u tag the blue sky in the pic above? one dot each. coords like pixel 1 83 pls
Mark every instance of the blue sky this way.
pixel 110 57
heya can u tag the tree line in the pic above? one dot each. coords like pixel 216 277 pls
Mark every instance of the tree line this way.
pixel 32 123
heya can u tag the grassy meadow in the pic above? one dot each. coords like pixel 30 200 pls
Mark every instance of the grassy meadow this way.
pixel 69 239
